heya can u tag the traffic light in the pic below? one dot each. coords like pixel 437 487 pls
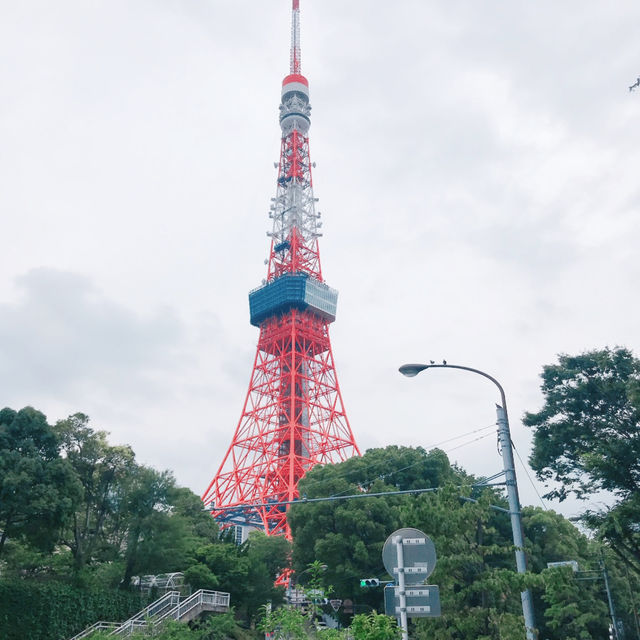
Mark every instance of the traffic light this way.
pixel 369 582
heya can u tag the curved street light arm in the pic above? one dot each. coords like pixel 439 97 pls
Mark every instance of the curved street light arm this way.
pixel 504 436
pixel 411 370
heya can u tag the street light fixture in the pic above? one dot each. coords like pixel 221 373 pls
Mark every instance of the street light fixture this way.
pixel 504 437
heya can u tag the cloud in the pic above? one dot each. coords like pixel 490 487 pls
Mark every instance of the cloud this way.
pixel 64 337
pixel 477 174
pixel 170 387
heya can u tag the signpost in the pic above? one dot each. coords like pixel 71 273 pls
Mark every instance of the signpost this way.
pixel 423 601
pixel 409 555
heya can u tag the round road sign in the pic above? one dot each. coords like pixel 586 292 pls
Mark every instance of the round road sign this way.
pixel 418 551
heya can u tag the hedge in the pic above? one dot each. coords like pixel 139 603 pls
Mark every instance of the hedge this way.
pixel 57 611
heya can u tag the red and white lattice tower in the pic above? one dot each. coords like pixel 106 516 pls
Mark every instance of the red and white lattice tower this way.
pixel 293 417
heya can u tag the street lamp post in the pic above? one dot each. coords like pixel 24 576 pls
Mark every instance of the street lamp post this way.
pixel 504 437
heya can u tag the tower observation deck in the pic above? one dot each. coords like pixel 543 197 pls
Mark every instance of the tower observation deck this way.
pixel 293 416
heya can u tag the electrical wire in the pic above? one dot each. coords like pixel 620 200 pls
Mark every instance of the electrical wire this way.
pixel 490 426
pixel 464 444
pixel 544 506
pixel 414 492
pixel 348 472
pixel 390 473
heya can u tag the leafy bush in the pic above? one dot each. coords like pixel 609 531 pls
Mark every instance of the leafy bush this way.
pixel 55 611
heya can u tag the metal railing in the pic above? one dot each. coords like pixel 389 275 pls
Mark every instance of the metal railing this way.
pixel 98 626
pixel 169 607
pixel 202 598
pixel 163 582
pixel 155 610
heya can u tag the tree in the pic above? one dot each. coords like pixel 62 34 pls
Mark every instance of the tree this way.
pixel 100 469
pixel 587 439
pixel 550 537
pixel 570 604
pixel 247 572
pixel 171 530
pixel 479 585
pixel 146 512
pixel 574 609
pixel 37 487
pixel 227 565
pixel 188 506
pixel 348 535
pixel 267 556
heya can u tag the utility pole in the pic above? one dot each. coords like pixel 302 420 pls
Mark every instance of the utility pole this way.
pixel 504 437
pixel 612 612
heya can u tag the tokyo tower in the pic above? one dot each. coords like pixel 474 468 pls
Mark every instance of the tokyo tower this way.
pixel 293 416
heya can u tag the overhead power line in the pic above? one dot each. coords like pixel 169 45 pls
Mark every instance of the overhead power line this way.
pixel 347 472
pixel 542 502
pixel 358 496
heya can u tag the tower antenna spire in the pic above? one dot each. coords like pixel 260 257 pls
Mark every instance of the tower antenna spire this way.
pixel 296 63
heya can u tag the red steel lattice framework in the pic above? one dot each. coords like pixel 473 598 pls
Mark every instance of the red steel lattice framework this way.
pixel 293 416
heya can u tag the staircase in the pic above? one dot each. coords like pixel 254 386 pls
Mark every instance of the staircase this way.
pixel 171 606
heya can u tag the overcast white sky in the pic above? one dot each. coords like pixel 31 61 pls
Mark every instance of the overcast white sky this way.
pixel 477 169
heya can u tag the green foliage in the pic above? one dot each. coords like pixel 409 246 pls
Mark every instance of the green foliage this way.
pixel 110 518
pixel 146 511
pixel 586 435
pixel 332 634
pixel 552 538
pixel 374 626
pixel 200 526
pixel 215 627
pixel 247 572
pixel 21 560
pixel 287 623
pixel 94 531
pixel 176 631
pixel 316 571
pixel 575 611
pixel 199 576
pixel 267 556
pixel 587 438
pixel 479 587
pixel 130 519
pixel 219 627
pixel 226 561
pixel 348 535
pixel 476 564
pixel 37 487
pixel 53 610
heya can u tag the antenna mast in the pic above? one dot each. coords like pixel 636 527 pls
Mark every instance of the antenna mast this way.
pixel 296 62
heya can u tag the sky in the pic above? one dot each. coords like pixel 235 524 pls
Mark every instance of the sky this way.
pixel 477 172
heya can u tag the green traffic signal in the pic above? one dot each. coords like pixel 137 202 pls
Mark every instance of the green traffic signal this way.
pixel 369 582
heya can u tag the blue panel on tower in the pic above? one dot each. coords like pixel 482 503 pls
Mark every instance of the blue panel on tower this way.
pixel 292 291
